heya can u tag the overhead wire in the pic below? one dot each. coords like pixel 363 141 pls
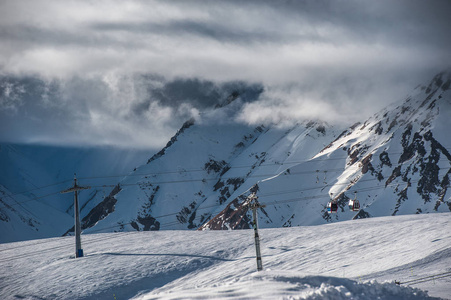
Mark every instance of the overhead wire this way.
pixel 276 202
pixel 171 172
pixel 319 196
pixel 170 182
pixel 182 170
pixel 154 174
pixel 190 180
pixel 188 171
pixel 41 187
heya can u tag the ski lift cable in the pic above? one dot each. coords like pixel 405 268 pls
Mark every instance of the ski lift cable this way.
pixel 322 196
pixel 182 181
pixel 194 170
pixel 232 167
pixel 211 179
pixel 42 187
pixel 162 182
pixel 224 178
pixel 203 170
pixel 185 171
pixel 155 183
pixel 213 206
pixel 196 180
pixel 21 202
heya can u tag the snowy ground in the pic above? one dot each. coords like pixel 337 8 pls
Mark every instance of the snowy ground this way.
pixel 348 260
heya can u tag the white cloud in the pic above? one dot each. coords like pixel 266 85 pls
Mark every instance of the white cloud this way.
pixel 257 41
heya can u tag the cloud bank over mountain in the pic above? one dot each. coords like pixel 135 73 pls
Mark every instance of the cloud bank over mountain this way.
pixel 119 68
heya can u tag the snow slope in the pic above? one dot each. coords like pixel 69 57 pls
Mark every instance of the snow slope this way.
pixel 356 259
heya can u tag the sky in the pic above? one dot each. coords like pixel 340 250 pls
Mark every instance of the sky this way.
pixel 129 73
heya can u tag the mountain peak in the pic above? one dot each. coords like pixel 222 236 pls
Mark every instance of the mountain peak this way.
pixel 440 81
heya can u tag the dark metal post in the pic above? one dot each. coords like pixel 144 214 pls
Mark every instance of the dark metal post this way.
pixel 254 205
pixel 78 249
pixel 257 240
pixel 77 228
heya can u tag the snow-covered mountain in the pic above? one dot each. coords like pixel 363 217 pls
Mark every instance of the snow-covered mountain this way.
pixel 398 162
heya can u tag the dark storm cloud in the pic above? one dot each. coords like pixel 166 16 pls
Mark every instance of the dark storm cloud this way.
pixel 202 93
pixel 84 65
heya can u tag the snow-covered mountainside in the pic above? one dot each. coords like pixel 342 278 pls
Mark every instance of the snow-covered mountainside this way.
pixel 207 164
pixel 398 162
pixel 357 259
pixel 32 176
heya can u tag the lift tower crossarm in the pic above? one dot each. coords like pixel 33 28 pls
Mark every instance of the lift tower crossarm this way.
pixel 75 189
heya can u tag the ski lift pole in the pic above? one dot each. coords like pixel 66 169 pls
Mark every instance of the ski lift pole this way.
pixel 77 228
pixel 254 207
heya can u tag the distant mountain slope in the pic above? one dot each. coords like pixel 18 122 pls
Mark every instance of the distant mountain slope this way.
pixel 398 161
pixel 31 177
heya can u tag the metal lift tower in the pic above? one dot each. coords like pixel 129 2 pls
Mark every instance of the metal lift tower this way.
pixel 75 189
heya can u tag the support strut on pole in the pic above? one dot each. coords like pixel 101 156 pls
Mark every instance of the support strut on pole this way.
pixel 253 203
pixel 75 189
